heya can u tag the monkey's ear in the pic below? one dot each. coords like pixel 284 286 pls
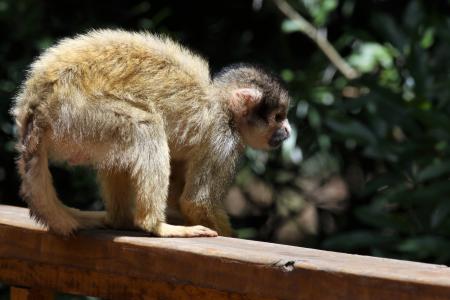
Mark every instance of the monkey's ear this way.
pixel 243 100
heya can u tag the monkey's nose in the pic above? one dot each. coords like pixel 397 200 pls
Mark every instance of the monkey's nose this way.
pixel 287 127
pixel 279 136
pixel 288 132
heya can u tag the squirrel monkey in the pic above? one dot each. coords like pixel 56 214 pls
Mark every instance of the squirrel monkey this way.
pixel 135 106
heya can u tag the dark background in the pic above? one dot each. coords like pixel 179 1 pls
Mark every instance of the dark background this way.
pixel 367 170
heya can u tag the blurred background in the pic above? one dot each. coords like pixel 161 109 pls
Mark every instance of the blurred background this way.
pixel 367 169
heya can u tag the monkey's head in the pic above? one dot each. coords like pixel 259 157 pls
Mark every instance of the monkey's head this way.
pixel 258 103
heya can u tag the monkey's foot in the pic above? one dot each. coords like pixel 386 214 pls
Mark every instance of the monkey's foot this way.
pixel 167 230
pixel 64 225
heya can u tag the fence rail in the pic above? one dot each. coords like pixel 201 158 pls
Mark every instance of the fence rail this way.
pixel 131 265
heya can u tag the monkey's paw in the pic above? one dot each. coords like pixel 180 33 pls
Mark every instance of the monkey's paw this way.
pixel 167 230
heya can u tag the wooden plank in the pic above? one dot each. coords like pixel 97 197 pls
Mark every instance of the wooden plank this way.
pixel 18 293
pixel 121 265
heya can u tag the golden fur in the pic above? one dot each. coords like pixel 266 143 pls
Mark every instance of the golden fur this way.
pixel 130 105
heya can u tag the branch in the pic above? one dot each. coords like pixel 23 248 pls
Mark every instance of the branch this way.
pixel 318 38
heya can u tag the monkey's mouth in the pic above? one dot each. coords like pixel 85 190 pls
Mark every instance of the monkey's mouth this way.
pixel 275 143
pixel 277 139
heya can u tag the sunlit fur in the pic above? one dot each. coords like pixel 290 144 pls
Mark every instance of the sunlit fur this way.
pixel 130 105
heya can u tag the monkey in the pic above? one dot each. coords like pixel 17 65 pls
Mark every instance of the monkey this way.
pixel 147 115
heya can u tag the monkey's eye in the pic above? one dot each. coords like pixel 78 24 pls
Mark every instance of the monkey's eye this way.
pixel 279 117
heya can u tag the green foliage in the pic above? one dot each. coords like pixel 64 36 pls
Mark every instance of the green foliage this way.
pixel 395 128
pixel 370 56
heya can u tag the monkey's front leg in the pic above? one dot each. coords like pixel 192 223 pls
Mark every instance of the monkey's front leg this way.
pixel 150 178
pixel 207 214
pixel 201 201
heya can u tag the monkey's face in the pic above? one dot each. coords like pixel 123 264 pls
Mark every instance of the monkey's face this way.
pixel 262 122
pixel 265 131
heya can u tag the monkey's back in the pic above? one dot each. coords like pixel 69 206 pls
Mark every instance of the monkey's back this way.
pixel 140 73
pixel 137 67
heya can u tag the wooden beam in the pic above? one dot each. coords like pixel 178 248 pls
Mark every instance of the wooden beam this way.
pixel 18 293
pixel 128 265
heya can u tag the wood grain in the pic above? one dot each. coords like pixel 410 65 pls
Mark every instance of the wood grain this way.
pixel 132 265
pixel 18 293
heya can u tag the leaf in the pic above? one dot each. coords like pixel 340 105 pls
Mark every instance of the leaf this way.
pixel 390 30
pixel 320 9
pixel 369 56
pixel 432 119
pixel 287 75
pixel 422 195
pixel 289 26
pixel 314 118
pixel 352 129
pixel 413 15
pixel 424 247
pixel 354 240
pixel 427 38
pixel 418 66
pixel 382 181
pixel 381 219
pixel 433 171
pixel 247 233
pixel 440 214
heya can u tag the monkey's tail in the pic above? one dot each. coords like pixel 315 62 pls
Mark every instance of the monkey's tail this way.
pixel 37 185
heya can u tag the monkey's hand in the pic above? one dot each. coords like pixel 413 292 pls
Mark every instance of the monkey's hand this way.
pixel 167 230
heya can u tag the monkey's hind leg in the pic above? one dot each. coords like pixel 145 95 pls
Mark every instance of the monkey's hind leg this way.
pixel 37 189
